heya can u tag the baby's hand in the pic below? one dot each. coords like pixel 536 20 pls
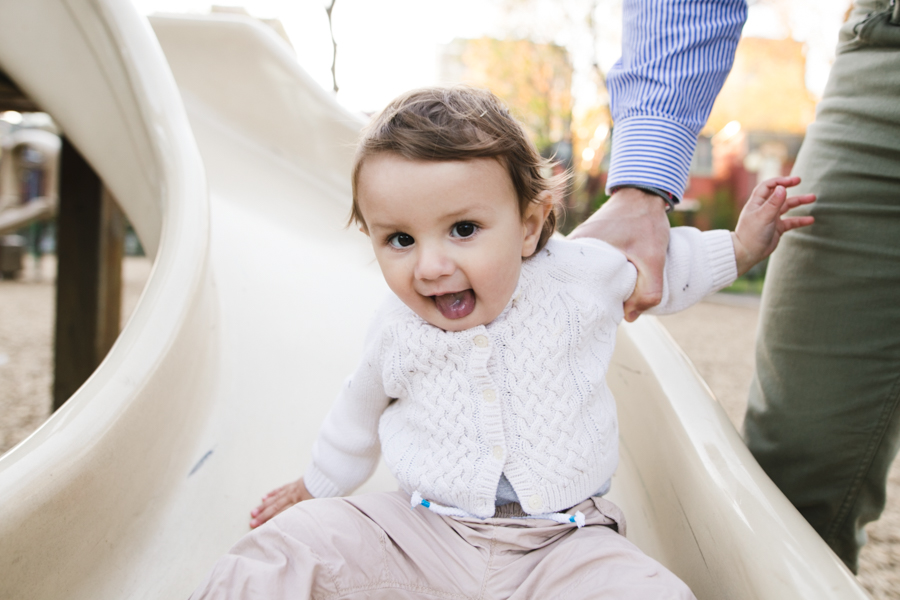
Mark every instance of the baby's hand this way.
pixel 277 500
pixel 760 225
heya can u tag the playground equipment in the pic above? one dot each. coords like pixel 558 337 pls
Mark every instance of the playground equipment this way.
pixel 213 137
pixel 40 201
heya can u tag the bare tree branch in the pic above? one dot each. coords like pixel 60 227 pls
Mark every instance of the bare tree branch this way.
pixel 328 10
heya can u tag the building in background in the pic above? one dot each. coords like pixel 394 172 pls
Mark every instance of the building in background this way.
pixel 753 133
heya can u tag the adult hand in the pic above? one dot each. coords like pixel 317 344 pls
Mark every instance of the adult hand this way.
pixel 278 500
pixel 635 222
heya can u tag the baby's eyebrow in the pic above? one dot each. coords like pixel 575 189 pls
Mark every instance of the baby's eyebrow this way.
pixel 459 213
pixel 463 213
pixel 377 225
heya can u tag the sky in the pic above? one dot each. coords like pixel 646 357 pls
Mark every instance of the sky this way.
pixel 386 47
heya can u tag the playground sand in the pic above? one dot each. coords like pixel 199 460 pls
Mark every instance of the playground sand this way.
pixel 717 335
pixel 26 343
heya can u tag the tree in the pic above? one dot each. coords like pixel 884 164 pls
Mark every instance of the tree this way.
pixel 591 32
pixel 765 90
pixel 328 10
pixel 535 80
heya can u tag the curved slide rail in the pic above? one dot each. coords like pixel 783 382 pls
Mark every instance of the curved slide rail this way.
pixel 251 319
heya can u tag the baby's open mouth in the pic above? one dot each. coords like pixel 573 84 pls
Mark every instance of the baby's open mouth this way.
pixel 456 305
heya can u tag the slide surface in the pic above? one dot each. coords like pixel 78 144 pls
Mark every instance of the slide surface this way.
pixel 233 166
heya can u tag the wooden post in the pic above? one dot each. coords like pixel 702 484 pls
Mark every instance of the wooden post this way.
pixel 89 248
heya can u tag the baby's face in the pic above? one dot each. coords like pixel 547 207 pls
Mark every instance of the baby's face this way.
pixel 448 236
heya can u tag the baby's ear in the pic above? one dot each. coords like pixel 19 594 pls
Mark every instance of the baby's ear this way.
pixel 533 221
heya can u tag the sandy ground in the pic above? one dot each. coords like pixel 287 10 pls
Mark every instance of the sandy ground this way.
pixel 717 335
pixel 27 306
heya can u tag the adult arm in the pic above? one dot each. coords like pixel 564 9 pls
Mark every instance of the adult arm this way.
pixel 675 57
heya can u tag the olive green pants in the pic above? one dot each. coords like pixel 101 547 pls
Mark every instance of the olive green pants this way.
pixel 823 418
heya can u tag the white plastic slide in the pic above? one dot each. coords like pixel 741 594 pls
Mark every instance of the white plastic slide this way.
pixel 233 167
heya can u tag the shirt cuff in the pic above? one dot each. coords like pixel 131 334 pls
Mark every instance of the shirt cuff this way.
pixel 719 248
pixel 651 151
pixel 318 485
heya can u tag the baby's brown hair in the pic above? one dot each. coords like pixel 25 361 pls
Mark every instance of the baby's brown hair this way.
pixel 459 123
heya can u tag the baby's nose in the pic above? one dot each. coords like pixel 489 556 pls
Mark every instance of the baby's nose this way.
pixel 433 263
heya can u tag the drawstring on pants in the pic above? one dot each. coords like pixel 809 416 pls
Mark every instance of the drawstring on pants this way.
pixel 448 511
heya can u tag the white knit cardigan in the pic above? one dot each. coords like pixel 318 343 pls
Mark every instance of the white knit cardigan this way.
pixel 524 395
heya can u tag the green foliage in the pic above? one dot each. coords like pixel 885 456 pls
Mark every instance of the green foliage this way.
pixel 743 285
pixel 750 282
pixel 723 214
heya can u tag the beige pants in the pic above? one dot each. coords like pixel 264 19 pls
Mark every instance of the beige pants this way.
pixel 376 546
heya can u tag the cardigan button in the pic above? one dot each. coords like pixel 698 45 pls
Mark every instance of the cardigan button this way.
pixel 480 341
pixel 498 452
pixel 535 502
pixel 489 395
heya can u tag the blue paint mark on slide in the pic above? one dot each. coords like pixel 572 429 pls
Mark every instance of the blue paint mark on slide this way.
pixel 200 462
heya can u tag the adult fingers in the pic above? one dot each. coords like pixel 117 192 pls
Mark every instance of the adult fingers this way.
pixel 648 290
pixel 635 222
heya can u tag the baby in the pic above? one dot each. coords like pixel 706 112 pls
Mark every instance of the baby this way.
pixel 482 383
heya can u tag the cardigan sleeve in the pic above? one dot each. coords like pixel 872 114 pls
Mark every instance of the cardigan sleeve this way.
pixel 347 450
pixel 697 264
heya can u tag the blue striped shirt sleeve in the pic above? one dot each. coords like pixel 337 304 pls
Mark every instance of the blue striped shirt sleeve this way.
pixel 676 55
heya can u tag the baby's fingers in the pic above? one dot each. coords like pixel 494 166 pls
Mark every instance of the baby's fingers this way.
pixel 266 502
pixel 782 181
pixel 773 204
pixel 267 510
pixel 789 223
pixel 264 516
pixel 273 492
pixel 763 192
pixel 795 201
pixel 765 189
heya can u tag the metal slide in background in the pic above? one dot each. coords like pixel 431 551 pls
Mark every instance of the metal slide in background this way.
pixel 233 167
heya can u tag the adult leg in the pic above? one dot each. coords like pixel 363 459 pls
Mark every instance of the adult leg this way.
pixel 823 417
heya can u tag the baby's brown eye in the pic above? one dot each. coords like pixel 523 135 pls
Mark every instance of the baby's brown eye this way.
pixel 401 240
pixel 464 230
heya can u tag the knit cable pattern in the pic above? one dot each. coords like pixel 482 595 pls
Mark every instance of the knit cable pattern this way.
pixel 524 395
